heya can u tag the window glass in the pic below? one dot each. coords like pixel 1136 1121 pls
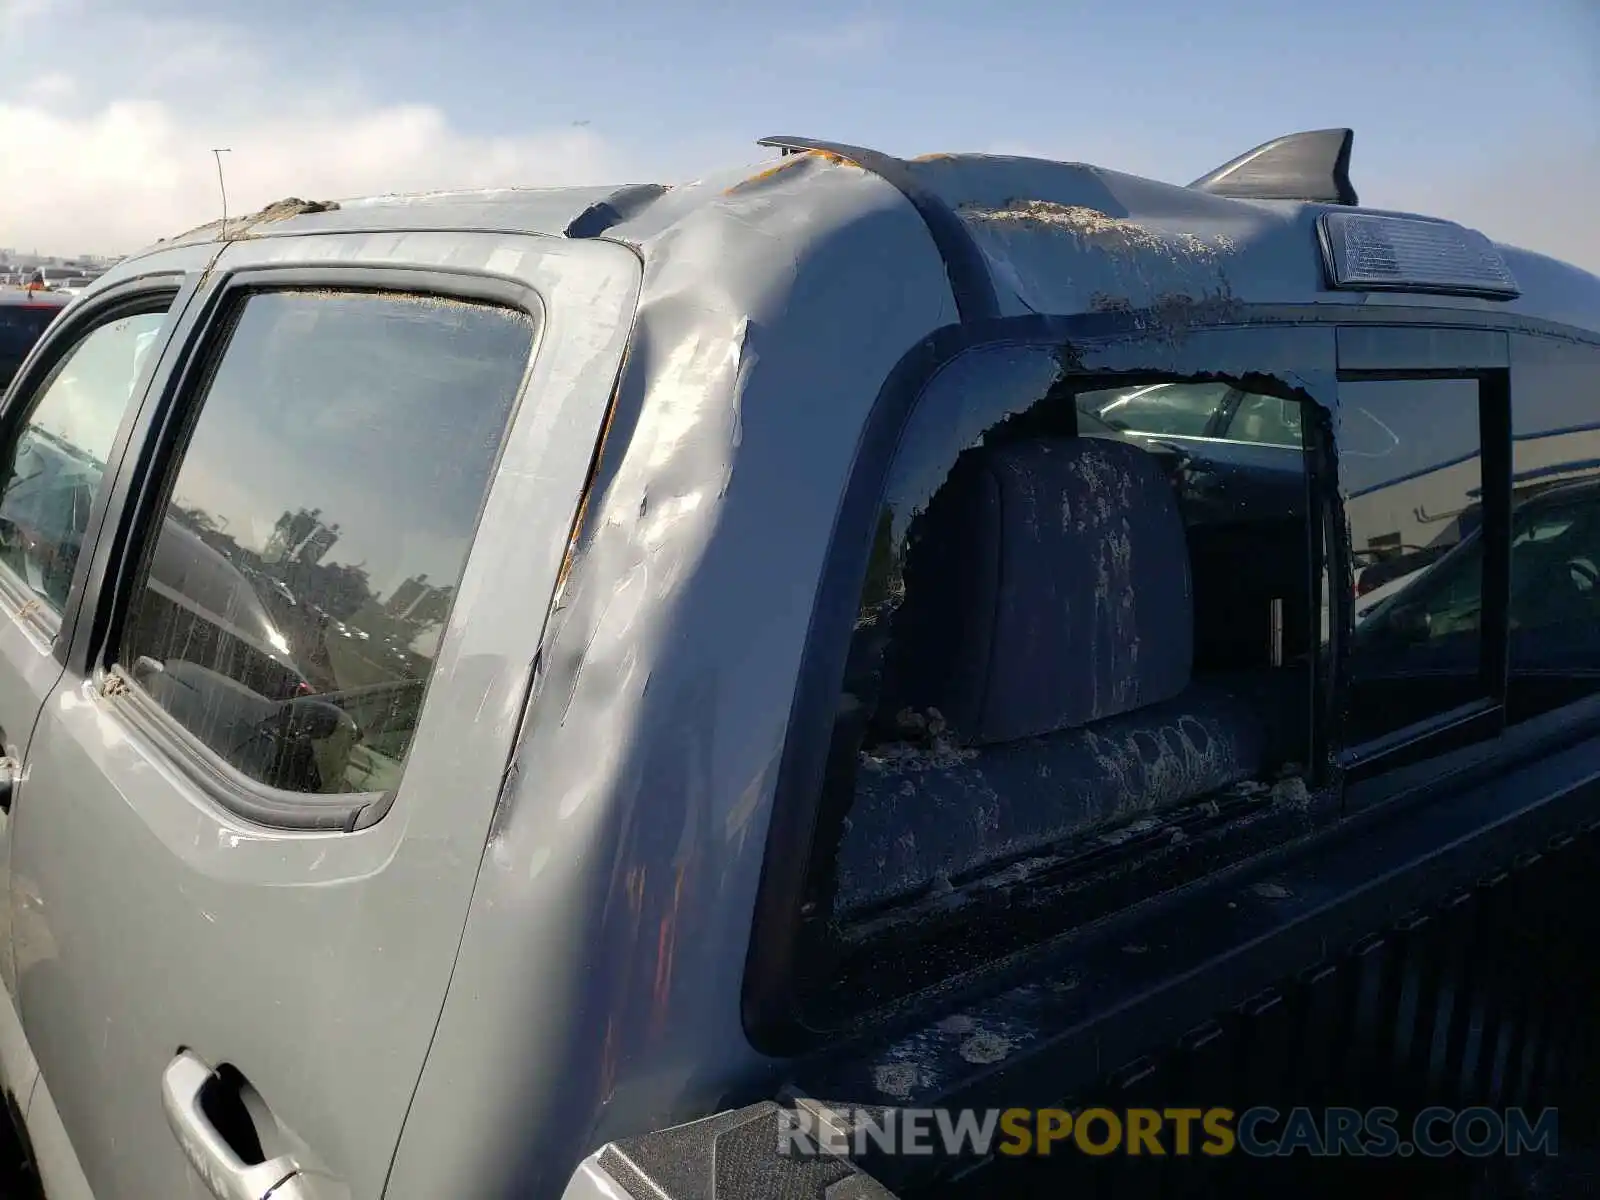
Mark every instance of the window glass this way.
pixel 53 468
pixel 1555 577
pixel 318 527
pixel 1178 409
pixel 1266 419
pixel 1411 472
pixel 1555 557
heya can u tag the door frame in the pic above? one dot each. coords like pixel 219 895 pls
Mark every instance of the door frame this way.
pixel 180 272
pixel 324 886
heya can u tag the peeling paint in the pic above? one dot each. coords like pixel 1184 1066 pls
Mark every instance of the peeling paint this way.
pixel 786 163
pixel 898 1080
pixel 1175 313
pixel 278 210
pixel 984 1047
pixel 1087 223
pixel 240 226
pixel 1059 257
pixel 830 156
pixel 1101 230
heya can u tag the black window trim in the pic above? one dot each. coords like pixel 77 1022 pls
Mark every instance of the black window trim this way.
pixel 769 1002
pixel 142 494
pixel 132 297
pixel 1484 718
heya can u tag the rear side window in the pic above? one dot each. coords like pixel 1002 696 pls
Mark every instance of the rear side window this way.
pixel 1555 549
pixel 1410 460
pixel 318 525
pixel 52 468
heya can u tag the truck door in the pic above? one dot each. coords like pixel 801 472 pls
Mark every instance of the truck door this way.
pixel 262 786
pixel 63 427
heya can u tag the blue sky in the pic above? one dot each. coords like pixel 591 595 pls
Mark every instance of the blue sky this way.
pixel 1488 112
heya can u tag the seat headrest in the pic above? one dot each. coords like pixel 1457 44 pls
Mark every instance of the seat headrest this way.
pixel 1047 587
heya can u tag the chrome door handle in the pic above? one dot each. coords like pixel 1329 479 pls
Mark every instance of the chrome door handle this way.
pixel 227 1175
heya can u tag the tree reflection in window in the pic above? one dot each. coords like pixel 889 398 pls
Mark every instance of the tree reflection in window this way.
pixel 321 519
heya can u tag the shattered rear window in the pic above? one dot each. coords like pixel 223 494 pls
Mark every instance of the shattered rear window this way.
pixel 1058 670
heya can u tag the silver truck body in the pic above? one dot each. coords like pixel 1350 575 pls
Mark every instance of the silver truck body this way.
pixel 539 942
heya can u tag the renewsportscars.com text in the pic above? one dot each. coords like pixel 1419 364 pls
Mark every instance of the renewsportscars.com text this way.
pixel 1158 1132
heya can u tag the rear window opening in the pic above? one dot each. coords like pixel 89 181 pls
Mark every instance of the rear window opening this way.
pixel 1087 658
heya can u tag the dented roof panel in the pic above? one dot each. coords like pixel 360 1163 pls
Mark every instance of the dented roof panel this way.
pixel 503 210
pixel 1068 238
pixel 1057 238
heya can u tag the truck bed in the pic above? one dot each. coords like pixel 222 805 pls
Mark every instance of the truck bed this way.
pixel 1403 960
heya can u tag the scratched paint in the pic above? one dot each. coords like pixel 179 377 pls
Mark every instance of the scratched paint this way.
pixel 985 1047
pixel 1119 262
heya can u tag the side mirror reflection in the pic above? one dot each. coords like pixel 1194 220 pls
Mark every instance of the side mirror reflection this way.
pixel 301 746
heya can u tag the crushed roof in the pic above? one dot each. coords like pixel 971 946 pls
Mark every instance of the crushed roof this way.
pixel 1062 237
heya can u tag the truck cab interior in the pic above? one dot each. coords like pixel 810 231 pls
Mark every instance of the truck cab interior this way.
pixel 1063 672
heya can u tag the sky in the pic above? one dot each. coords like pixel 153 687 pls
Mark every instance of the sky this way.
pixel 1484 111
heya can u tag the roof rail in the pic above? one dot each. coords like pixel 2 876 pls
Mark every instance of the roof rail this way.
pixel 1313 166
pixel 964 263
pixel 621 205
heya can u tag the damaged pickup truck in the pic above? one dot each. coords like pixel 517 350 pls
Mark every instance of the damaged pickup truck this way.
pixel 865 635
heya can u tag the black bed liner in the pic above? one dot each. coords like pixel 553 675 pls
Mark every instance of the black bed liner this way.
pixel 1326 973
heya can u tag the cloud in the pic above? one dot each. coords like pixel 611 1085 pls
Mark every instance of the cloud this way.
pixel 861 35
pixel 110 158
pixel 53 87
pixel 124 174
pixel 108 162
pixel 14 14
